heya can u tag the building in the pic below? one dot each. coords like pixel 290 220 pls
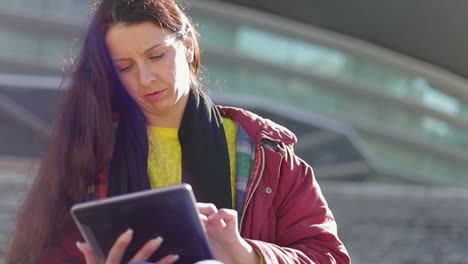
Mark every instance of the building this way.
pixel 362 112
pixel 375 92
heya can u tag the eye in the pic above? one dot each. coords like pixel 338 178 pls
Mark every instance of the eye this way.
pixel 157 57
pixel 124 69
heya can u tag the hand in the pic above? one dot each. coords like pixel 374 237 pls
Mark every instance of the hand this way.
pixel 119 247
pixel 224 237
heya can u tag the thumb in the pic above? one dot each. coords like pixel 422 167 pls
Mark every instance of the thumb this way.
pixel 87 252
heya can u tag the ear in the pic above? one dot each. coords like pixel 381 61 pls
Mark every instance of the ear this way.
pixel 189 55
pixel 188 43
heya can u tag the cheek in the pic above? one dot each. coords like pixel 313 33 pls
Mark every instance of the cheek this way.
pixel 183 75
pixel 168 76
pixel 182 72
pixel 130 86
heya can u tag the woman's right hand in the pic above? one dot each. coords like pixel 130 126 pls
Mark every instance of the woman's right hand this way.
pixel 117 251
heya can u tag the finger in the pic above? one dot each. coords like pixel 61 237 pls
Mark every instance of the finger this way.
pixel 87 252
pixel 147 250
pixel 168 259
pixel 207 208
pixel 228 216
pixel 215 222
pixel 225 214
pixel 203 218
pixel 119 247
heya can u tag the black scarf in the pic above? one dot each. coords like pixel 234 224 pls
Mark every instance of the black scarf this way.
pixel 205 158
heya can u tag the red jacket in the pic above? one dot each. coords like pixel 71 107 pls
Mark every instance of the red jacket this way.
pixel 285 215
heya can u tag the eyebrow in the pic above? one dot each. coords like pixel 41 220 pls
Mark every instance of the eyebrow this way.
pixel 144 52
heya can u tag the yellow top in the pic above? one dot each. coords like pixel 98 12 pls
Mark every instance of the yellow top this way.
pixel 165 155
pixel 165 158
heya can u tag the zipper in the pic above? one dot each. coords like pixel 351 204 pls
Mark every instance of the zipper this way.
pixel 262 168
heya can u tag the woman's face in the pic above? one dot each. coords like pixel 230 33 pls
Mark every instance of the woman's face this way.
pixel 153 66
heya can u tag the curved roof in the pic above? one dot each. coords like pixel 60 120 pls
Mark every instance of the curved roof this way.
pixel 433 31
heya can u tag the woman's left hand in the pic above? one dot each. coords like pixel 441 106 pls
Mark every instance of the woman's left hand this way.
pixel 223 234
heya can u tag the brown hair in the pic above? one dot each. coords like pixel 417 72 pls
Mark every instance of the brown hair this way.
pixel 82 143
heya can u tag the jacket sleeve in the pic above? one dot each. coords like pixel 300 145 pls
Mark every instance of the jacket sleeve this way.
pixel 306 231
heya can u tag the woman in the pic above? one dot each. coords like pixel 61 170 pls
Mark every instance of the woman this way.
pixel 135 113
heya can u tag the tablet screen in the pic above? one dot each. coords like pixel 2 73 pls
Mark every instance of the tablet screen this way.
pixel 168 212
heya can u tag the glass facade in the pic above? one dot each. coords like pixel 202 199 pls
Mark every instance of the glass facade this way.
pixel 276 48
pixel 326 98
pixel 423 166
pixel 36 43
pixel 281 72
pixel 31 45
pixel 61 9
pixel 332 99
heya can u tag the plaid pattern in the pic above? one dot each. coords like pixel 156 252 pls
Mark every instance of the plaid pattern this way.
pixel 98 189
pixel 245 149
pixel 245 152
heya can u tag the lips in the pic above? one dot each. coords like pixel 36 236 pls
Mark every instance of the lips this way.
pixel 155 95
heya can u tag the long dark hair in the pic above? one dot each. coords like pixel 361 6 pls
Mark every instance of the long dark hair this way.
pixel 81 145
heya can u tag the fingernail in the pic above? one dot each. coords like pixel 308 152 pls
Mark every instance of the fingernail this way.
pixel 175 258
pixel 128 234
pixel 129 231
pixel 156 242
pixel 78 245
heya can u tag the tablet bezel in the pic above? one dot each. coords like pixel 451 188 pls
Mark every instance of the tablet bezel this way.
pixel 182 190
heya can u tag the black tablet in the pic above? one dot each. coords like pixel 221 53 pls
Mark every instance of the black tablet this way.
pixel 169 212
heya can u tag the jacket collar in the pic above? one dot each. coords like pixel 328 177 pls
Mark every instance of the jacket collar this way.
pixel 257 127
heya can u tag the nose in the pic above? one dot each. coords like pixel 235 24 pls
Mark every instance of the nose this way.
pixel 146 75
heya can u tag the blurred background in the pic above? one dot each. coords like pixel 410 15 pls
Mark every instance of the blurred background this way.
pixel 376 91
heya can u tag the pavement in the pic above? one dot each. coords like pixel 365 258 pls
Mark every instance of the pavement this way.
pixel 379 223
pixel 398 224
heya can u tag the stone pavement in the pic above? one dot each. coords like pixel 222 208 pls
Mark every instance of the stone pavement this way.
pixel 379 223
pixel 394 224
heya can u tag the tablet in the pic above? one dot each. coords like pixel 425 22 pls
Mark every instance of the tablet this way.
pixel 169 212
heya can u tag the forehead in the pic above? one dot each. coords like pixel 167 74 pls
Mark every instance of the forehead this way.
pixel 123 38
